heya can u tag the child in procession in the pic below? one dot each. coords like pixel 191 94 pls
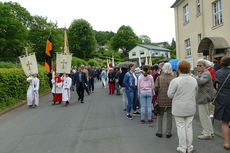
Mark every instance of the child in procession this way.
pixel 57 89
pixel 32 92
pixel 67 83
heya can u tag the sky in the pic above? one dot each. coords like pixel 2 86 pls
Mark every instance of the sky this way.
pixel 153 18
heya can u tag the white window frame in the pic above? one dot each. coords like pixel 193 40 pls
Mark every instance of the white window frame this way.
pixel 186 13
pixel 142 53
pixel 188 47
pixel 134 54
pixel 198 7
pixel 217 12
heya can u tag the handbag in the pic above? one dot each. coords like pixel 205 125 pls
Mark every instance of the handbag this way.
pixel 213 102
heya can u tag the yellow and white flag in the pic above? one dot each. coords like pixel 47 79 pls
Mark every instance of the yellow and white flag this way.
pixel 63 63
pixel 29 64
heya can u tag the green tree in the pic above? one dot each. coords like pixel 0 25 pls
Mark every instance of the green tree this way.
pixel 145 39
pixel 82 40
pixel 13 34
pixel 124 39
pixel 172 47
pixel 39 32
pixel 20 13
pixel 103 37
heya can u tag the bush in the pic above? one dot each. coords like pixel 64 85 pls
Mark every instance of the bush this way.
pixel 7 65
pixel 13 85
pixel 78 62
pixel 93 62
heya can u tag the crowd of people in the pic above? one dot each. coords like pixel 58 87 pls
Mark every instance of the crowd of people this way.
pixel 161 90
pixel 177 93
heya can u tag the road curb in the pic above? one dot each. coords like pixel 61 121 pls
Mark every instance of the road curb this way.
pixel 20 104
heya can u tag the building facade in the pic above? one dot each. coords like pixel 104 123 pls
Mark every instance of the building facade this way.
pixel 148 51
pixel 202 29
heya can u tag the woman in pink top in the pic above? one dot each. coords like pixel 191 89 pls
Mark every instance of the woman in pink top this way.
pixel 146 92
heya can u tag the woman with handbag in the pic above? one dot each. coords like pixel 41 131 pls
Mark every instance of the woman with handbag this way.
pixel 165 104
pixel 222 102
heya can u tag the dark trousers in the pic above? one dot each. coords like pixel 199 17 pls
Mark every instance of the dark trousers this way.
pixel 91 84
pixel 87 88
pixel 80 92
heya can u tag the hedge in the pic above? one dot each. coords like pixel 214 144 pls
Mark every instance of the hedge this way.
pixel 78 62
pixel 13 85
pixel 93 62
pixel 7 65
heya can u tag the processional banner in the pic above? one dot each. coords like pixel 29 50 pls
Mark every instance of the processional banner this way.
pixel 63 63
pixel 29 64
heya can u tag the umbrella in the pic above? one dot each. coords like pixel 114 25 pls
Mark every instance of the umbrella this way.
pixel 125 64
pixel 174 62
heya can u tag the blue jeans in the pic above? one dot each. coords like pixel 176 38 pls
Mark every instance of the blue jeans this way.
pixel 146 98
pixel 132 99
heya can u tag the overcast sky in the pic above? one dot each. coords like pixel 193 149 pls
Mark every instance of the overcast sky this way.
pixel 154 18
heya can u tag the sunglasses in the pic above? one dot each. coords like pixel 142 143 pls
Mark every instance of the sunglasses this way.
pixel 199 65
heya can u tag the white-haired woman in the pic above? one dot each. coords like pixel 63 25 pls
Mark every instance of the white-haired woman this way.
pixel 165 104
pixel 204 97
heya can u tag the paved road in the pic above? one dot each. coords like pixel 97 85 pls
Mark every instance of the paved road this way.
pixel 97 126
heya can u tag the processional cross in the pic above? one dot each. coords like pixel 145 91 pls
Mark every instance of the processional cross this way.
pixel 63 62
pixel 28 65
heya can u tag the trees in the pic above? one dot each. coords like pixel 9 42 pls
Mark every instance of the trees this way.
pixel 145 39
pixel 39 33
pixel 172 47
pixel 82 40
pixel 124 39
pixel 20 13
pixel 103 37
pixel 12 31
pixel 18 29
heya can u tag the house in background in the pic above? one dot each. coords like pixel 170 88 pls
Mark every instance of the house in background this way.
pixel 162 44
pixel 144 51
pixel 202 29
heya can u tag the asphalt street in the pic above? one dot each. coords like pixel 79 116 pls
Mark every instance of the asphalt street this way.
pixel 97 126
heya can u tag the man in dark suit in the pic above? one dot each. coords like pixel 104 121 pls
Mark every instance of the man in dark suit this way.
pixel 80 80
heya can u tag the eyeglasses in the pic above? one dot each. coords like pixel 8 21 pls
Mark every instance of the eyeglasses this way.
pixel 199 65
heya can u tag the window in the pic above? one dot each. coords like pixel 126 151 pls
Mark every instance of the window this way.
pixel 134 54
pixel 188 47
pixel 166 55
pixel 186 14
pixel 198 7
pixel 142 53
pixel 217 7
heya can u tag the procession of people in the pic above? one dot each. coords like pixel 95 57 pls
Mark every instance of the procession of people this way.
pixel 160 89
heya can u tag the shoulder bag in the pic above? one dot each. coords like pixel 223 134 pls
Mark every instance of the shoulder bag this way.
pixel 213 102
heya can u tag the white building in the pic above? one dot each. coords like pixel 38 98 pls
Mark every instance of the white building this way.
pixel 144 51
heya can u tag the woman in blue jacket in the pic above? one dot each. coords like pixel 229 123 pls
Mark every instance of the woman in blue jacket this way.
pixel 130 83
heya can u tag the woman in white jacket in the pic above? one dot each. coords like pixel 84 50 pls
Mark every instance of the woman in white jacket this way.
pixel 32 92
pixel 183 90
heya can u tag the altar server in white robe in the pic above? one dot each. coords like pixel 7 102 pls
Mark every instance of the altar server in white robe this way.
pixel 57 89
pixel 32 92
pixel 67 83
